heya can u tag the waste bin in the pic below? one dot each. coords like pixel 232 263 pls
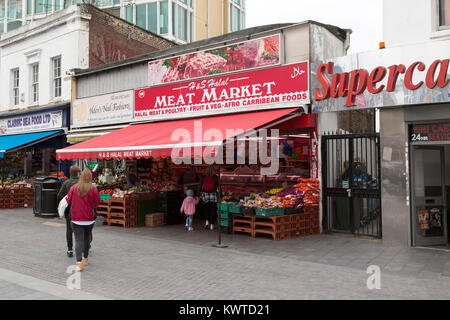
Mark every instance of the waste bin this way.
pixel 45 203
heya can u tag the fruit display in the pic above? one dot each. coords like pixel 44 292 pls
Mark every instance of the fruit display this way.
pixel 107 191
pixel 121 193
pixel 275 190
pixel 265 203
pixel 310 188
pixel 163 186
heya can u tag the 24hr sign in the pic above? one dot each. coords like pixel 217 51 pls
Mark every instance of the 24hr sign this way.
pixel 277 87
pixel 430 132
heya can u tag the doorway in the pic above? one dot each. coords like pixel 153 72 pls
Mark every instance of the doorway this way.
pixel 430 188
pixel 351 184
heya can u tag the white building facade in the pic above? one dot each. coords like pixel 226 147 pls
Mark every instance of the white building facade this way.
pixel 34 61
pixel 415 21
pixel 177 20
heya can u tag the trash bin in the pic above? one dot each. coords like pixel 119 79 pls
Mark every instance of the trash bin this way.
pixel 45 203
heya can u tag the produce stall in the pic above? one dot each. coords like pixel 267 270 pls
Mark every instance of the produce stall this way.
pixel 16 195
pixel 281 213
pixel 133 207
pixel 245 190
pixel 17 174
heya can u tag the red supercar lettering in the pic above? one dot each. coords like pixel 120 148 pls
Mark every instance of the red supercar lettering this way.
pixel 351 84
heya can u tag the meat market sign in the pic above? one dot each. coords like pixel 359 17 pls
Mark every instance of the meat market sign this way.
pixel 389 77
pixel 278 87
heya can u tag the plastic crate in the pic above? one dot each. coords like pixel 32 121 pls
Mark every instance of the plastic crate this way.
pixel 248 211
pixel 235 209
pixel 269 212
pixel 293 211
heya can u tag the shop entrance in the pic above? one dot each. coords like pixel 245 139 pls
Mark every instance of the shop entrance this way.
pixel 430 194
pixel 351 184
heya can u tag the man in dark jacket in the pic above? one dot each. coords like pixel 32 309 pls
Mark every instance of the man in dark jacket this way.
pixel 75 173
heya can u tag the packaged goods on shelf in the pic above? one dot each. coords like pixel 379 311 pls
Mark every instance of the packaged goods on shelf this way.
pixel 310 188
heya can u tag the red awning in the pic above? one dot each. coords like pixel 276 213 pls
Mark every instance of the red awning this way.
pixel 159 138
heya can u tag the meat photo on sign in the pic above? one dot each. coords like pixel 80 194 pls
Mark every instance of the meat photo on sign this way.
pixel 250 54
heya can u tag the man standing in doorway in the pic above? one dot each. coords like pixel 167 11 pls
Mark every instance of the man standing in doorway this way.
pixel 75 173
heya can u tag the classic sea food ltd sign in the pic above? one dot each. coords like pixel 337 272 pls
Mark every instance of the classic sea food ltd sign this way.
pixel 31 122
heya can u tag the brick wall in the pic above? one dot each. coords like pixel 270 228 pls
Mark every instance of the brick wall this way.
pixel 112 39
pixel 357 121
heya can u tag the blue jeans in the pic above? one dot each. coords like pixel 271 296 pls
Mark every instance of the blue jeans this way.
pixel 189 220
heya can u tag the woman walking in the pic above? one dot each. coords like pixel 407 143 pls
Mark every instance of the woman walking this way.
pixel 209 187
pixel 83 197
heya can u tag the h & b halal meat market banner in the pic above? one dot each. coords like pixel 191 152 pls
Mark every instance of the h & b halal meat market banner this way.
pixel 257 53
pixel 278 87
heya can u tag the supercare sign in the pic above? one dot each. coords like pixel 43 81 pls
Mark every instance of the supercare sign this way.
pixel 274 87
pixel 388 77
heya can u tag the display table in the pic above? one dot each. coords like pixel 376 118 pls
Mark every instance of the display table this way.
pixel 279 227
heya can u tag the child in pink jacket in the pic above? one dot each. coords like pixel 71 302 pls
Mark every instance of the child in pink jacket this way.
pixel 188 207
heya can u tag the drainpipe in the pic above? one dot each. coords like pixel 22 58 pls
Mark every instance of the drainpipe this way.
pixel 24 11
pixel 208 19
pixel 5 21
pixel 347 40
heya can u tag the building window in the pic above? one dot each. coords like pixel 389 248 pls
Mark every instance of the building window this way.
pixel 2 15
pixel 236 15
pixel 15 86
pixel 141 18
pixel 152 17
pixel 56 79
pixel 444 12
pixel 68 3
pixel 129 14
pixel 182 15
pixel 35 82
pixel 163 17
pixel 14 14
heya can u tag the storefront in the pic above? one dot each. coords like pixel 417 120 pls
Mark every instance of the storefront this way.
pixel 241 144
pixel 409 87
pixel 239 102
pixel 28 143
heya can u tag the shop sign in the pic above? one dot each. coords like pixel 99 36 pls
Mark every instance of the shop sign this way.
pixel 262 52
pixel 430 132
pixel 415 74
pixel 31 122
pixel 356 82
pixel 278 87
pixel 105 109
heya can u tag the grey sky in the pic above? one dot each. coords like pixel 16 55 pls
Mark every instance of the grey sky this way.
pixel 364 17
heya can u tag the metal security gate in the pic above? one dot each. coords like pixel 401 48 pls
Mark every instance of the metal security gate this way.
pixel 351 183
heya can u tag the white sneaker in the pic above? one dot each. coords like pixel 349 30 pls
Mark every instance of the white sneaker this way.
pixel 211 227
pixel 191 229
